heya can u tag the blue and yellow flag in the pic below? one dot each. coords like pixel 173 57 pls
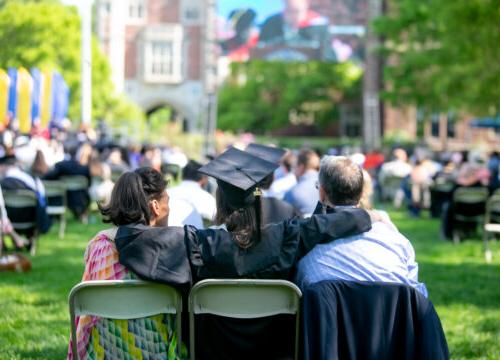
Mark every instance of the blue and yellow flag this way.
pixel 12 107
pixel 4 96
pixel 46 106
pixel 60 98
pixel 36 96
pixel 24 89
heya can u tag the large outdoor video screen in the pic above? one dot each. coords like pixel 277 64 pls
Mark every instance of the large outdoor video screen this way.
pixel 292 30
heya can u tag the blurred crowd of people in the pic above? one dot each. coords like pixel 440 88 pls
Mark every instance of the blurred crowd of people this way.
pixel 25 162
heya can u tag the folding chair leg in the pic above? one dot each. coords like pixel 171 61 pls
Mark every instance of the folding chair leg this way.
pixel 487 252
pixel 32 246
pixel 62 226
pixel 456 237
pixel 33 243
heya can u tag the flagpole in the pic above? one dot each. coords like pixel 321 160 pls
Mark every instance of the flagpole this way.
pixel 86 69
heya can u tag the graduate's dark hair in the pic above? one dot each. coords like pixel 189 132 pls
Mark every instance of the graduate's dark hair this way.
pixel 131 195
pixel 244 223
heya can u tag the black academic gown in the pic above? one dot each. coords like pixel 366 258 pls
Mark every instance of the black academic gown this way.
pixel 369 320
pixel 276 210
pixel 177 255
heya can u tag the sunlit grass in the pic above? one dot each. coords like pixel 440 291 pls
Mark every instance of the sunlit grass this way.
pixel 34 320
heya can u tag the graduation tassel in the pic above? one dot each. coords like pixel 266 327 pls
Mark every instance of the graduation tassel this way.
pixel 258 210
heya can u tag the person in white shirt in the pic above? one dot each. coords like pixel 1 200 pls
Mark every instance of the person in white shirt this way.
pixel 183 213
pixel 284 178
pixel 191 191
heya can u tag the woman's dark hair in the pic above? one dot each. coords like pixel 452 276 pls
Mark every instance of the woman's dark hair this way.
pixel 243 223
pixel 131 195
pixel 39 166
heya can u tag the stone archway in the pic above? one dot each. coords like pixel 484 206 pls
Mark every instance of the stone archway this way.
pixel 184 99
pixel 176 115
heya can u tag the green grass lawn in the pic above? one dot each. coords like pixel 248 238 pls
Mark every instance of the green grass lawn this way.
pixel 34 320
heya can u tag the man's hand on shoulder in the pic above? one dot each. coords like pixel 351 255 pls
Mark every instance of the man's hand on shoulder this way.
pixel 382 216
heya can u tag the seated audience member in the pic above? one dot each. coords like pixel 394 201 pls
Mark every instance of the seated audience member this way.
pixel 184 213
pixel 116 162
pixel 102 185
pixel 191 190
pixel 304 196
pixel 494 169
pixel 472 173
pixel 398 167
pixel 239 247
pixel 381 254
pixel 284 178
pixel 102 263
pixel 39 167
pixel 13 178
pixel 78 164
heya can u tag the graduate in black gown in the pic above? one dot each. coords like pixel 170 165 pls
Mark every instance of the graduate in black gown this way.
pixel 239 247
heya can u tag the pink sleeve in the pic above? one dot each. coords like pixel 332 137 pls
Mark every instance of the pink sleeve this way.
pixel 101 261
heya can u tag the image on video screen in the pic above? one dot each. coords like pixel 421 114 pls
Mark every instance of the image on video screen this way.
pixel 292 30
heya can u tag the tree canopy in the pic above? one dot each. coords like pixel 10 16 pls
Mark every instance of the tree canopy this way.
pixel 443 54
pixel 46 34
pixel 261 95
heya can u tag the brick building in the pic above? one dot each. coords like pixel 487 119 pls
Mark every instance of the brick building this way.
pixel 155 48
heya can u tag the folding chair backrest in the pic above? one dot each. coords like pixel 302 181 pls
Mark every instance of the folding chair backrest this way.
pixel 25 201
pixel 54 188
pixel 443 185
pixel 75 182
pixel 493 210
pixel 19 198
pixel 470 195
pixel 123 299
pixel 243 299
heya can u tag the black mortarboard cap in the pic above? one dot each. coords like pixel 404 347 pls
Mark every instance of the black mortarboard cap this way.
pixel 238 173
pixel 271 154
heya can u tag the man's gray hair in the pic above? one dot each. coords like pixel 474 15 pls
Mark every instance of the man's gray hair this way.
pixel 341 179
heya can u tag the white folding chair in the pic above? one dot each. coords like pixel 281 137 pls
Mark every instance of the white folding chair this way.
pixel 491 223
pixel 55 189
pixel 243 299
pixel 123 300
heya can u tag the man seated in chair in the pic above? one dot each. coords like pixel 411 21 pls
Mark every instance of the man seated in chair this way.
pixel 14 178
pixel 381 254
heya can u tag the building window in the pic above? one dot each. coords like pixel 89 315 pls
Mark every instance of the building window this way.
pixel 191 12
pixel 137 9
pixel 162 58
pixel 162 54
pixel 106 7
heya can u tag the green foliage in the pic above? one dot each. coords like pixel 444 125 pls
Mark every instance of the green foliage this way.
pixel 46 34
pixel 126 118
pixel 260 96
pixel 443 54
